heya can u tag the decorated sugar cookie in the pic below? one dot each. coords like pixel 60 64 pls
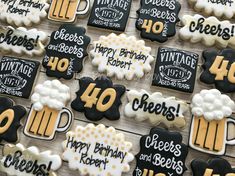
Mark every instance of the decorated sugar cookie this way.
pixel 110 14
pixel 162 153
pixel 66 11
pixel 23 13
pixel 48 108
pixel 21 161
pixel 219 69
pixel 10 117
pixel 22 41
pixel 98 98
pixel 156 108
pixel 214 166
pixel 224 8
pixel 157 19
pixel 211 114
pixel 175 69
pixel 97 150
pixel 66 51
pixel 210 31
pixel 121 56
pixel 17 76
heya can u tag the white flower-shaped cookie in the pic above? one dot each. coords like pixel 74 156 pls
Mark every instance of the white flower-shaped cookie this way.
pixel 121 56
pixel 23 13
pixel 209 30
pixel 29 160
pixel 217 8
pixel 97 151
pixel 156 108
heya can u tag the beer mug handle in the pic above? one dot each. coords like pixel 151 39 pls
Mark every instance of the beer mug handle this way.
pixel 85 10
pixel 230 142
pixel 69 120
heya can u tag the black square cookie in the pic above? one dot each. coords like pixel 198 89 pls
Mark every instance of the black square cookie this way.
pixel 110 14
pixel 175 69
pixel 17 76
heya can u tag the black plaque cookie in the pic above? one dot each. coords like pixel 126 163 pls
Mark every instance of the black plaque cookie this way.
pixel 215 166
pixel 17 76
pixel 66 51
pixel 161 153
pixel 10 116
pixel 219 69
pixel 157 19
pixel 98 98
pixel 175 69
pixel 110 14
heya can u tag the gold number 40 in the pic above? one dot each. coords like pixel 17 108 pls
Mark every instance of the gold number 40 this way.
pixel 148 25
pixel 90 97
pixel 58 64
pixel 219 68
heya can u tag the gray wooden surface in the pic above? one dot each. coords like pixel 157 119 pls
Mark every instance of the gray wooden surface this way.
pixel 132 129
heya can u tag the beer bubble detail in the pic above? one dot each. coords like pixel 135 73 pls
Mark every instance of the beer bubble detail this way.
pixel 97 150
pixel 49 99
pixel 211 112
pixel 21 161
pixel 155 108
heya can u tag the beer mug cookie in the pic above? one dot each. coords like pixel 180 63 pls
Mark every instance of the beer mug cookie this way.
pixel 10 117
pixel 156 108
pixel 66 10
pixel 21 161
pixel 23 13
pixel 212 167
pixel 162 153
pixel 97 151
pixel 209 126
pixel 47 110
pixel 98 98
pixel 121 56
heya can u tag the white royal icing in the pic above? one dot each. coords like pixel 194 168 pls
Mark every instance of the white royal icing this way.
pixel 22 12
pixel 218 8
pixel 53 162
pixel 30 42
pixel 104 145
pixel 111 55
pixel 152 112
pixel 209 30
pixel 212 105
pixel 53 94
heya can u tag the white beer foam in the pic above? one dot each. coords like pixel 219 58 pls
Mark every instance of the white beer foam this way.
pixel 53 94
pixel 212 105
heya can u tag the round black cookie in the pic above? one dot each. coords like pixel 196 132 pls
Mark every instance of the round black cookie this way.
pixel 66 51
pixel 215 166
pixel 161 152
pixel 157 19
pixel 219 69
pixel 94 95
pixel 10 116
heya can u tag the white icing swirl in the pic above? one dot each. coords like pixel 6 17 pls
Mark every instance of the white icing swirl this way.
pixel 212 105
